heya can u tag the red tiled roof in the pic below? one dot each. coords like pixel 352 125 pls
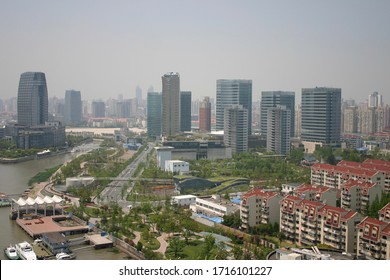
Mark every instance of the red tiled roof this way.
pixel 368 164
pixel 354 183
pixel 259 192
pixel 307 187
pixel 372 221
pixel 386 230
pixel 344 170
pixel 311 203
pixel 386 207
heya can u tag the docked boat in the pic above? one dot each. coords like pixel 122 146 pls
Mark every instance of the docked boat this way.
pixel 10 252
pixel 65 256
pixel 25 251
pixel 4 201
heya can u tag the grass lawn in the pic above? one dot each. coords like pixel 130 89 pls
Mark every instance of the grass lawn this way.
pixel 192 250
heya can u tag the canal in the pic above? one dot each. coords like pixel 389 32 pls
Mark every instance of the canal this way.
pixel 14 179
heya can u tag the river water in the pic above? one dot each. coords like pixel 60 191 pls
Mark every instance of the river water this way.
pixel 13 180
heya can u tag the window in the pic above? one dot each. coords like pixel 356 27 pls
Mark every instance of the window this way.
pixel 366 229
pixel 374 232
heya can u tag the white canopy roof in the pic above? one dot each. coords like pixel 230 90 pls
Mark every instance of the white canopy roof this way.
pixel 38 201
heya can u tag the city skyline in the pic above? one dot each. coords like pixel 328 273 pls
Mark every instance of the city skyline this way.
pixel 279 46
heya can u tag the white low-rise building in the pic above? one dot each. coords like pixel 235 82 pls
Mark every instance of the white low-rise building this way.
pixel 177 166
pixel 184 200
pixel 214 206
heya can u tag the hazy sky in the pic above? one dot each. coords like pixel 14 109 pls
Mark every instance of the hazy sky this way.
pixel 107 48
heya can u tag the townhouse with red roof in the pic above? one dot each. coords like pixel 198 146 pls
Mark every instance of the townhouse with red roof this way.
pixel 259 207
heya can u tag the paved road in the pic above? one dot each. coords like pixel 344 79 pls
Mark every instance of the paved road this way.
pixel 113 192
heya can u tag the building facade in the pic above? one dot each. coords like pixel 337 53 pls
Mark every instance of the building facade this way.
pixel 236 128
pixel 271 99
pixel 279 130
pixel 230 93
pixel 321 116
pixel 205 115
pixel 32 104
pixel 154 113
pixel 259 207
pixel 185 111
pixel 373 239
pixel 170 104
pixel 98 109
pixel 310 223
pixel 73 107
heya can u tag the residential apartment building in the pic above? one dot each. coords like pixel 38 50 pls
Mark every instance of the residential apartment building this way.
pixel 259 207
pixel 236 128
pixel 335 176
pixel 374 239
pixel 358 195
pixel 380 166
pixel 279 130
pixel 308 222
pixel 384 213
pixel 322 194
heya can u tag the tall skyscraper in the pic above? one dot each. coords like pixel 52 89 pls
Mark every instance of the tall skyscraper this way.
pixel 351 120
pixel 73 107
pixel 233 92
pixel 321 116
pixel 205 115
pixel 98 109
pixel 236 128
pixel 279 130
pixel 185 111
pixel 170 104
pixel 271 99
pixel 33 104
pixel 154 104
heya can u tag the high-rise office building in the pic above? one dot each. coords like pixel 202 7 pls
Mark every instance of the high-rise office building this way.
pixel 185 111
pixel 33 104
pixel 271 99
pixel 154 106
pixel 233 92
pixel 98 109
pixel 236 128
pixel 205 115
pixel 73 107
pixel 170 104
pixel 279 130
pixel 321 116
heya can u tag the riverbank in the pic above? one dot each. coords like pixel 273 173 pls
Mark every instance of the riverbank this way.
pixel 32 157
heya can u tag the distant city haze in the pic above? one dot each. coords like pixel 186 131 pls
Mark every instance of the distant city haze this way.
pixel 105 49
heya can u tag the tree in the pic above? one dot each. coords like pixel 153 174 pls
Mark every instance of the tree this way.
pixel 296 155
pixel 208 247
pixel 175 248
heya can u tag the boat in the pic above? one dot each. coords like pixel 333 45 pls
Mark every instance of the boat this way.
pixel 25 251
pixel 65 256
pixel 44 153
pixel 10 252
pixel 4 201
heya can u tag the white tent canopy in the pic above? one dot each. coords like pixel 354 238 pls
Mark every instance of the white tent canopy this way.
pixel 38 201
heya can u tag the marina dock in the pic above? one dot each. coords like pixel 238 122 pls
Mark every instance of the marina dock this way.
pixel 99 241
